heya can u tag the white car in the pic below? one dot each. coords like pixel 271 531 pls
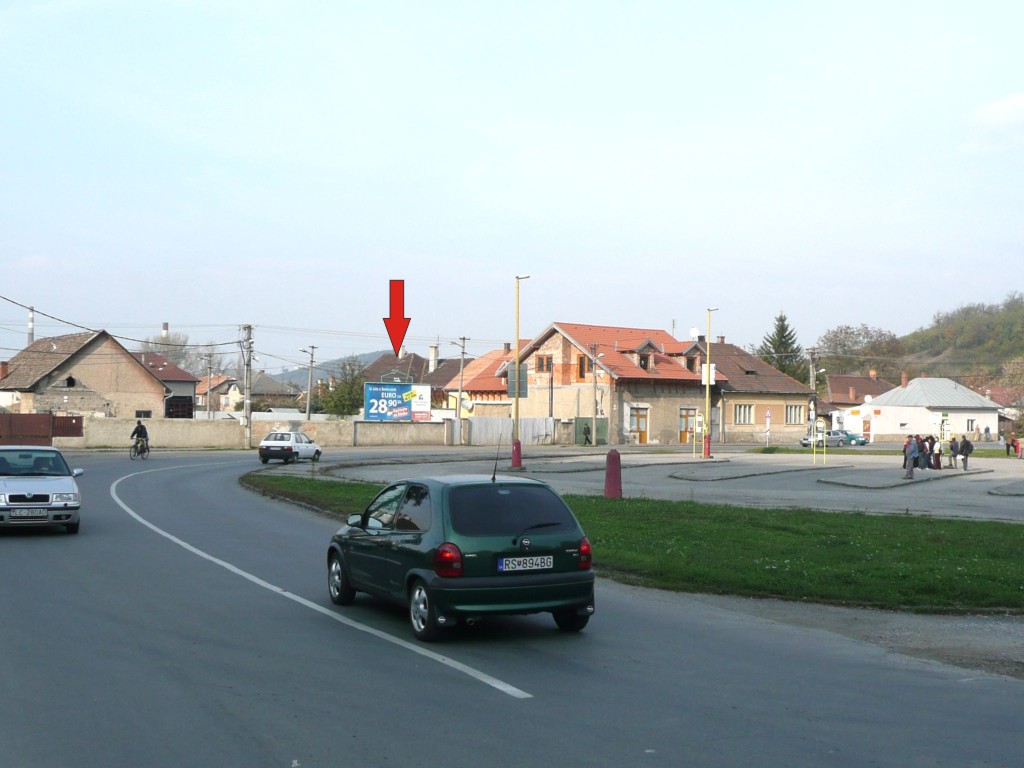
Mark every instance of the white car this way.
pixel 37 488
pixel 288 447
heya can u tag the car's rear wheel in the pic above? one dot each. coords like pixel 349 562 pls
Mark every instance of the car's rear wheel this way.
pixel 264 459
pixel 840 444
pixel 342 592
pixel 570 621
pixel 422 615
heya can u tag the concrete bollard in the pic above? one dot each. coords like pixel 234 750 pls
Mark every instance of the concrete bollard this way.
pixel 517 455
pixel 613 475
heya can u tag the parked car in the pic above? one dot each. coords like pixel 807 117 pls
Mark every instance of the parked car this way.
pixel 833 438
pixel 38 488
pixel 288 446
pixel 851 438
pixel 460 548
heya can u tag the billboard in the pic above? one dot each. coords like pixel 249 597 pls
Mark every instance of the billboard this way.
pixel 396 402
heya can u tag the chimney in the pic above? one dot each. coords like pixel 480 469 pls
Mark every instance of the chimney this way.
pixel 31 325
pixel 3 369
pixel 904 381
pixel 853 394
pixel 508 347
pixel 165 331
pixel 721 339
pixel 873 375
pixel 432 366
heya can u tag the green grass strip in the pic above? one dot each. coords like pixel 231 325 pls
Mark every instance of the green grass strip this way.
pixel 896 562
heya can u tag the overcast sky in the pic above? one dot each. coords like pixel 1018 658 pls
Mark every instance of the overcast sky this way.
pixel 211 164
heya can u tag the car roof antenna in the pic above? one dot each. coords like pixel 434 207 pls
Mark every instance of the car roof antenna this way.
pixel 494 473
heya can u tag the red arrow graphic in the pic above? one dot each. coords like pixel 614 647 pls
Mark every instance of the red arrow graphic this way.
pixel 397 323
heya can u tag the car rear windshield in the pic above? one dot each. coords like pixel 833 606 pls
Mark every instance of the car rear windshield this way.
pixel 508 510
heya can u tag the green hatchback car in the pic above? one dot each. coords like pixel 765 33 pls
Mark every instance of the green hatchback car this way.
pixel 460 548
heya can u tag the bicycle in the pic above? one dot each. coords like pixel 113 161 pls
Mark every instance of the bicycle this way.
pixel 139 449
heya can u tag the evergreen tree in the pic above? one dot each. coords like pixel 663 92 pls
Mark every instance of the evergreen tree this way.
pixel 781 351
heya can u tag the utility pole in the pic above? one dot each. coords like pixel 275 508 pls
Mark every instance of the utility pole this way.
pixel 209 382
pixel 247 392
pixel 309 385
pixel 593 360
pixel 462 364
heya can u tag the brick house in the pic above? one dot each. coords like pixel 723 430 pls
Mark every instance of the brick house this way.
pixel 81 373
pixel 181 402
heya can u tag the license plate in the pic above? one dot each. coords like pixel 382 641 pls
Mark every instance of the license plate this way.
pixel 28 513
pixel 532 563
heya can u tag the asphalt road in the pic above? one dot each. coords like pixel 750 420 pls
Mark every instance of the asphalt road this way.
pixel 189 625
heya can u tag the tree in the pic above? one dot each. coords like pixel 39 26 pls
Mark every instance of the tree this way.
pixel 175 347
pixel 860 350
pixel 781 351
pixel 344 395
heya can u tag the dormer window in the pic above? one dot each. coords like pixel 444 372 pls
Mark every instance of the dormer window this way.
pixel 644 360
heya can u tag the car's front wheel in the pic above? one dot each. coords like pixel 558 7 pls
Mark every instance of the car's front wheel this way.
pixel 422 615
pixel 570 621
pixel 342 592
pixel 72 527
pixel 316 456
pixel 840 444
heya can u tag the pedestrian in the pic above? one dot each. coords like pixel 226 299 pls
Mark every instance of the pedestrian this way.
pixel 937 454
pixel 586 435
pixel 1011 442
pixel 966 449
pixel 910 454
pixel 988 434
pixel 904 451
pixel 954 451
pixel 923 453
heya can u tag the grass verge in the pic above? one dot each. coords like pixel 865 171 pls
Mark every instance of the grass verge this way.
pixel 891 562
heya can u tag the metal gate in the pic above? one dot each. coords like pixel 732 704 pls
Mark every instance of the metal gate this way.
pixel 37 428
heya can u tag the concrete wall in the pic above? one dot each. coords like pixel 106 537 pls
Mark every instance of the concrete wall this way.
pixel 228 433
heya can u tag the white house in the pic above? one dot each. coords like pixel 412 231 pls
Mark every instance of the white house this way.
pixel 926 406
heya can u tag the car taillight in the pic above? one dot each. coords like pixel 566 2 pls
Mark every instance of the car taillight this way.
pixel 448 561
pixel 585 554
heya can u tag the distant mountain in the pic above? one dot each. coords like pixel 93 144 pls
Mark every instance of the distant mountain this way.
pixel 299 377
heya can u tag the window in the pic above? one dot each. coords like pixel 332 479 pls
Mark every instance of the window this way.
pixel 645 361
pixel 971 425
pixel 414 514
pixel 743 414
pixel 584 365
pixel 143 414
pixel 794 414
pixel 383 508
pixel 544 364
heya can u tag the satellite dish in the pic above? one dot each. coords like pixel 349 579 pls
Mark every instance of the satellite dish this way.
pixel 467 404
pixel 867 399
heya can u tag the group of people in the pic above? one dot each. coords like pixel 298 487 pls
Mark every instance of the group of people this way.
pixel 926 453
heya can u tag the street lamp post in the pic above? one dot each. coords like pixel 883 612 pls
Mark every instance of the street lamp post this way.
pixel 707 391
pixel 309 385
pixel 462 363
pixel 516 447
pixel 594 356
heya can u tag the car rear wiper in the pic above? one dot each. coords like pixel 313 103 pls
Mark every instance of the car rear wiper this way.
pixel 518 536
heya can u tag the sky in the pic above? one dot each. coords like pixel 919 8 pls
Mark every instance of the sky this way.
pixel 214 164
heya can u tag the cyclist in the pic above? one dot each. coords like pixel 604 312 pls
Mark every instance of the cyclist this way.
pixel 140 435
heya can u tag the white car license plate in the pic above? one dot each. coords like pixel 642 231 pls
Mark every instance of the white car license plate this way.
pixel 28 513
pixel 532 563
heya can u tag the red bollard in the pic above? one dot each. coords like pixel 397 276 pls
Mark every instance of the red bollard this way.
pixel 613 475
pixel 517 455
pixel 707 446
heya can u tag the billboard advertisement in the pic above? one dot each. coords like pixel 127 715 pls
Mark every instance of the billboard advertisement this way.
pixel 396 402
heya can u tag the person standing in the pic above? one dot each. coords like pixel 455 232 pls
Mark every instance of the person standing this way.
pixel 966 449
pixel 954 451
pixel 910 454
pixel 937 453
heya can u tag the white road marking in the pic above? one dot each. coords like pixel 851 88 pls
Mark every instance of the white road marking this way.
pixel 476 674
